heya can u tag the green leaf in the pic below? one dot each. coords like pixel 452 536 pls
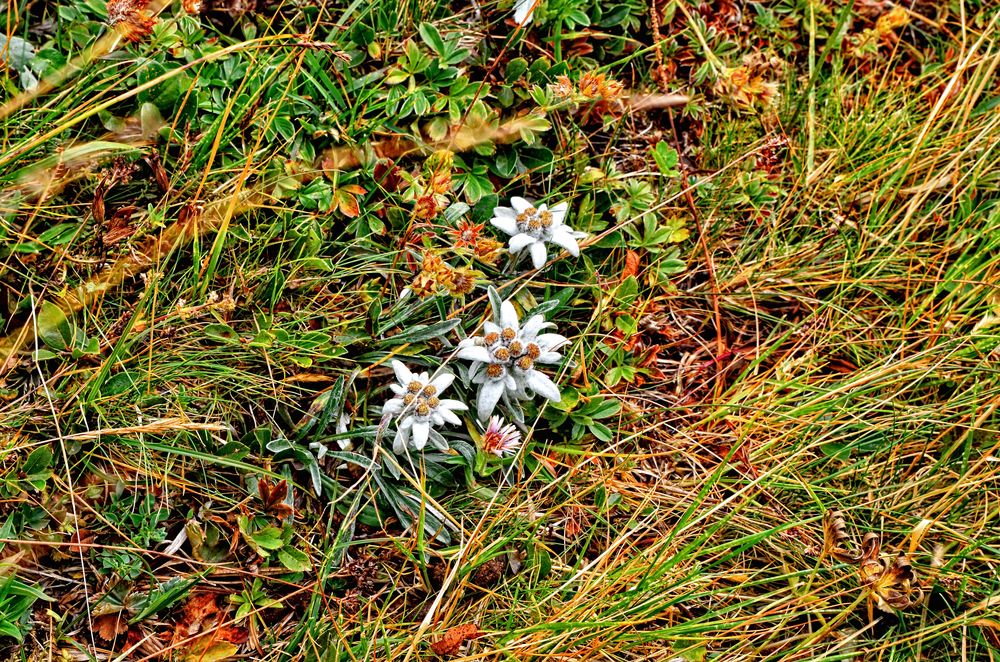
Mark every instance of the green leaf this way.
pixel 121 383
pixel 515 69
pixel 59 234
pixel 422 332
pixel 432 37
pixel 265 540
pixel 222 333
pixel 53 327
pixel 161 597
pixel 294 559
pixel 666 159
pixel 39 461
pixel 628 291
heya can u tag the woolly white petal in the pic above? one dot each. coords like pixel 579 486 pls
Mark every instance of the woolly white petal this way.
pixel 437 418
pixel 490 327
pixel 508 316
pixel 542 385
pixel 397 389
pixel 453 405
pixel 550 341
pixel 519 204
pixel 420 432
pixel 504 212
pixel 392 407
pixel 476 353
pixel 504 224
pixel 531 328
pixel 403 373
pixel 538 254
pixel 562 236
pixel 489 395
pixel 519 242
pixel 442 381
pixel 448 416
pixel 523 9
pixel 549 357
pixel 558 214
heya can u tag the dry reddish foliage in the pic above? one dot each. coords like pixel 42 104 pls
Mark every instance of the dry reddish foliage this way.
pixel 452 640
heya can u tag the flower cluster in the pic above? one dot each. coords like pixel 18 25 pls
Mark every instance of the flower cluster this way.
pixel 436 274
pixel 468 235
pixel 530 228
pixel 505 360
pixel 419 408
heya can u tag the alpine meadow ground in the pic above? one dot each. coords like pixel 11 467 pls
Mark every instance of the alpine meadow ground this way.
pixel 560 330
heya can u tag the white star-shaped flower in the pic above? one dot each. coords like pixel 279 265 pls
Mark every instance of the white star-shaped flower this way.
pixel 532 227
pixel 523 9
pixel 504 359
pixel 420 408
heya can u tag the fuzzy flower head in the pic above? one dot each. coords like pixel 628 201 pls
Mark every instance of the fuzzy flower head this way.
pixel 533 227
pixel 499 439
pixel 420 408
pixel 505 359
pixel 131 19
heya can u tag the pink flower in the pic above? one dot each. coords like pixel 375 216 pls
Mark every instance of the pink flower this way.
pixel 500 439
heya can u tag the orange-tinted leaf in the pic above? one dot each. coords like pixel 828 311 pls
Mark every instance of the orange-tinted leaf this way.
pixel 347 204
pixel 110 626
pixel 631 264
pixel 452 640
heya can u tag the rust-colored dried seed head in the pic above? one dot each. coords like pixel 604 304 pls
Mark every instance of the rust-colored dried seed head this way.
pixel 492 338
pixel 501 354
pixel 508 334
pixel 494 371
pixel 130 19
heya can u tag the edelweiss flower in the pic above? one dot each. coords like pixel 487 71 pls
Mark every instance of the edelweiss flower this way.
pixel 530 227
pixel 523 9
pixel 501 439
pixel 420 409
pixel 504 359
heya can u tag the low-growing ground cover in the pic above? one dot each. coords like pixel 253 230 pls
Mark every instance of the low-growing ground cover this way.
pixel 548 330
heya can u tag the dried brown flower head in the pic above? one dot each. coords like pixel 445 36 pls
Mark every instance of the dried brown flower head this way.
pixel 131 19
